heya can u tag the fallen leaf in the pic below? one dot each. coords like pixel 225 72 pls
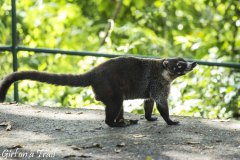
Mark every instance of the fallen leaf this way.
pixel 221 120
pixel 117 150
pixel 8 124
pixel 68 112
pixel 76 148
pixel 95 145
pixel 122 144
pixel 139 136
pixel 218 140
pixel 79 112
pixel 69 156
pixel 98 128
pixel 15 147
pixel 208 147
pixel 85 156
pixel 135 142
pixel 58 129
pixel 193 142
pixel 9 127
pixel 148 158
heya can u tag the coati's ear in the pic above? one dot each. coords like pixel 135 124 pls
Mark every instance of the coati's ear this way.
pixel 165 63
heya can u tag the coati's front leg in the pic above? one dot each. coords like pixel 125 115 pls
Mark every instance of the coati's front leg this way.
pixel 162 107
pixel 148 107
pixel 162 104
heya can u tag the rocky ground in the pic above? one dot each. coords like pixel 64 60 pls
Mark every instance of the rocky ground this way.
pixel 29 132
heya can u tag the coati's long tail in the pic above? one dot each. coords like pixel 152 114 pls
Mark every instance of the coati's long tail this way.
pixel 56 79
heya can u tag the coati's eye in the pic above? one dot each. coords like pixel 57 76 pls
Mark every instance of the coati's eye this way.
pixel 180 65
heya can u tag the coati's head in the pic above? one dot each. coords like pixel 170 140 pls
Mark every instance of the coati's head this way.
pixel 176 67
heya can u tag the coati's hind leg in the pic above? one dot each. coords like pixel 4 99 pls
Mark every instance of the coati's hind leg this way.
pixel 112 110
pixel 120 116
pixel 114 114
pixel 121 119
pixel 148 107
pixel 114 106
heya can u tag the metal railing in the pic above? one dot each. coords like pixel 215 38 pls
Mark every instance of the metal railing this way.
pixel 14 48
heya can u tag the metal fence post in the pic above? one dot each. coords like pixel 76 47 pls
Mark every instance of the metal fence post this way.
pixel 14 47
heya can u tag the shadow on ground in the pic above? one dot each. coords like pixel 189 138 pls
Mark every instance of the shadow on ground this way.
pixel 57 133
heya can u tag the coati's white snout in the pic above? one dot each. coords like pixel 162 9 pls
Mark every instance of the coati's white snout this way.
pixel 194 64
pixel 190 66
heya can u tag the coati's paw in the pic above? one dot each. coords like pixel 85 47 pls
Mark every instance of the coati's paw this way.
pixel 128 122
pixel 173 122
pixel 133 121
pixel 152 119
pixel 123 123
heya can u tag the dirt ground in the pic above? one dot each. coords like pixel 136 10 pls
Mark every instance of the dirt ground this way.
pixel 29 132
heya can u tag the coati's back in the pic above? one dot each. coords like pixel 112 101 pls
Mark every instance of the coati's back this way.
pixel 128 74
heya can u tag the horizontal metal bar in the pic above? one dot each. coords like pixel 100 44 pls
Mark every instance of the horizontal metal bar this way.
pixel 67 52
pixel 217 64
pixel 108 55
pixel 5 48
pixel 86 53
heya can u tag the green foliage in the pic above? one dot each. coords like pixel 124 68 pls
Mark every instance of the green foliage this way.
pixel 197 29
pixel 207 92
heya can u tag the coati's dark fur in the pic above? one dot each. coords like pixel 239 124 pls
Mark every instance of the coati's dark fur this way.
pixel 117 80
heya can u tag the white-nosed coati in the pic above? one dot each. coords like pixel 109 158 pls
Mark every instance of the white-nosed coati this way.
pixel 116 80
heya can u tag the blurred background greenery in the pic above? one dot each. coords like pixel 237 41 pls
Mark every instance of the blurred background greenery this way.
pixel 196 29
